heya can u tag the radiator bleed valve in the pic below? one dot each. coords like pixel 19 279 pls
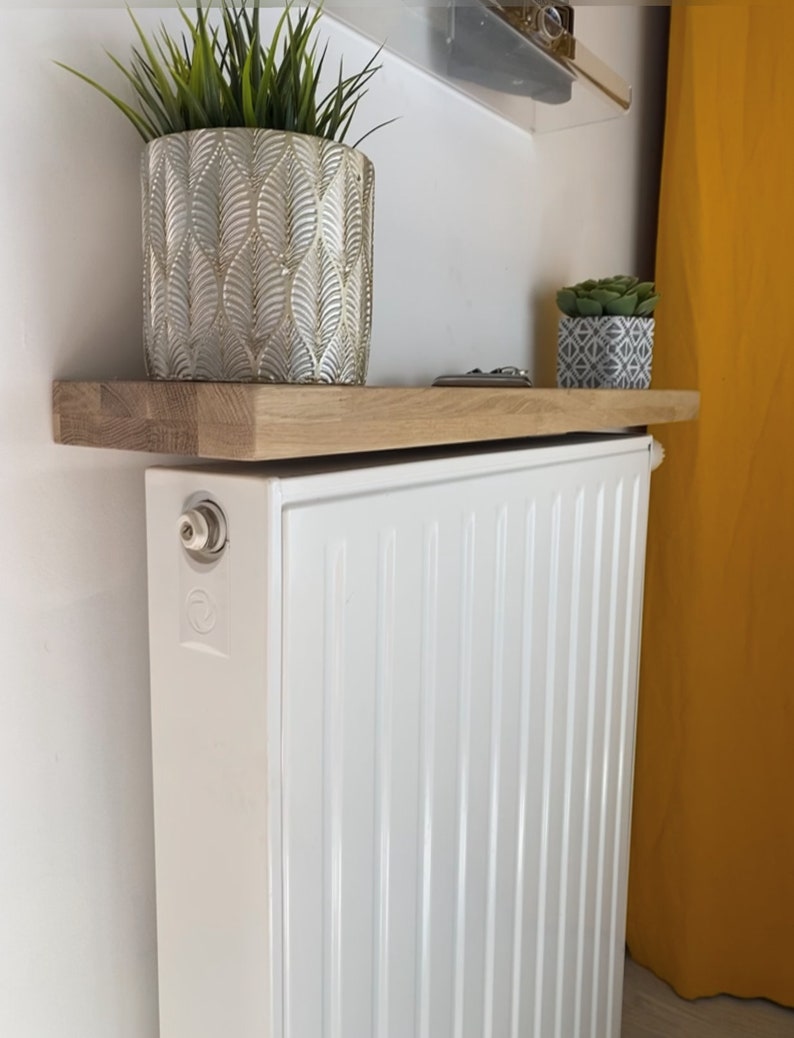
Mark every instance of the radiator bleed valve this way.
pixel 202 530
pixel 657 455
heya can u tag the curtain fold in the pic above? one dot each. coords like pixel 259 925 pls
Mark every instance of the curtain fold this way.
pixel 711 895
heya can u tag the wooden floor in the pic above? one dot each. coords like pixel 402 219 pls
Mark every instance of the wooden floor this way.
pixel 652 1010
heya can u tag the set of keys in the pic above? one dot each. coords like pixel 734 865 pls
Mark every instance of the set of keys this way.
pixel 498 378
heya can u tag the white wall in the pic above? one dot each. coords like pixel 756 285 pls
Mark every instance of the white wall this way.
pixel 477 223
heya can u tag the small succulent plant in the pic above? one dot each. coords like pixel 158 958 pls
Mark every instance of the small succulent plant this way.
pixel 620 296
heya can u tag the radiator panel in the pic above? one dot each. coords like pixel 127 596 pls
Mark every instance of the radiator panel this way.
pixel 392 784
pixel 459 823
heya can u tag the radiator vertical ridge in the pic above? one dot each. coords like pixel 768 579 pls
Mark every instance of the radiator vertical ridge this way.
pixel 622 798
pixel 428 669
pixel 497 692
pixel 384 692
pixel 527 643
pixel 333 754
pixel 548 744
pixel 573 676
pixel 603 806
pixel 592 690
pixel 467 601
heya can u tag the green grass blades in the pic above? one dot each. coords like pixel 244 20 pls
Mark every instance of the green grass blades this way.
pixel 224 75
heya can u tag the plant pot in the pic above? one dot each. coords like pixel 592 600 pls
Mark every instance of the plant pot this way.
pixel 605 352
pixel 257 257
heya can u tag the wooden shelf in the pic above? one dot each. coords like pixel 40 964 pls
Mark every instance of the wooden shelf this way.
pixel 254 422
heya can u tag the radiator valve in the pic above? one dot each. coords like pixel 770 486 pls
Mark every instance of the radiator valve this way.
pixel 202 530
pixel 657 455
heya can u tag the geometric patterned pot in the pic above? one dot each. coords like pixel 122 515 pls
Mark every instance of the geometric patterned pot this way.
pixel 257 257
pixel 604 352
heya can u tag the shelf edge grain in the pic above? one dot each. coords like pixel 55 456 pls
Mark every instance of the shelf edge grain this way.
pixel 254 422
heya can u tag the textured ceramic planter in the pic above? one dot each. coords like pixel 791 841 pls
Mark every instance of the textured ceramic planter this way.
pixel 604 352
pixel 257 257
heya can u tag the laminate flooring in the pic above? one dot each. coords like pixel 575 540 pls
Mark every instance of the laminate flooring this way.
pixel 651 1009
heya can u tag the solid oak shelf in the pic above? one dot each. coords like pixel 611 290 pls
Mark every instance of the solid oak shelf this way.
pixel 256 422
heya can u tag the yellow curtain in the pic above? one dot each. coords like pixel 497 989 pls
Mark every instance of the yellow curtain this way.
pixel 711 898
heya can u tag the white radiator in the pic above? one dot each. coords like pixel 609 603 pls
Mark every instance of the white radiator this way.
pixel 393 732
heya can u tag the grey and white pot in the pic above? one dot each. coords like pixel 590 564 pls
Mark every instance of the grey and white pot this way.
pixel 257 257
pixel 605 352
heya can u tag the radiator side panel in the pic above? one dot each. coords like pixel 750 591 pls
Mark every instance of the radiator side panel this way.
pixel 215 657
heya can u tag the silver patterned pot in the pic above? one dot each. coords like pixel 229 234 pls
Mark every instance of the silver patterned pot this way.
pixel 605 352
pixel 257 257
